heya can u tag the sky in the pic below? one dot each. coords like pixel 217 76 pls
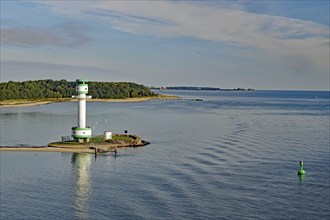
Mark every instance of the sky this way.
pixel 279 44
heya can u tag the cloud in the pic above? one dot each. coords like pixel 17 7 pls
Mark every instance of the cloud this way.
pixel 68 35
pixel 255 43
pixel 185 19
pixel 222 22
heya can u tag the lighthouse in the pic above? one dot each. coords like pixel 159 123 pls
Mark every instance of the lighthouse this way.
pixel 81 133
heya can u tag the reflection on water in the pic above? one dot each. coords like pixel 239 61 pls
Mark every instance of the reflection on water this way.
pixel 83 183
pixel 301 178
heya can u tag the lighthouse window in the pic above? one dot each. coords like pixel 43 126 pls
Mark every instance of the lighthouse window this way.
pixel 83 132
pixel 85 88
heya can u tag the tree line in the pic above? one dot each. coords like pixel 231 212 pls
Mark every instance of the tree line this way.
pixel 44 89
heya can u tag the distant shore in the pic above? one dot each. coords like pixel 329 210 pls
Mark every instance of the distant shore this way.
pixel 26 103
pixel 199 88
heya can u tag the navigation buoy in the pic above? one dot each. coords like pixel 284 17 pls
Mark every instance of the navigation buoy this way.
pixel 301 170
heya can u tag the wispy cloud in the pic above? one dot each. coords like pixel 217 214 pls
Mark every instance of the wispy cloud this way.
pixel 245 44
pixel 175 19
pixel 68 35
pixel 226 23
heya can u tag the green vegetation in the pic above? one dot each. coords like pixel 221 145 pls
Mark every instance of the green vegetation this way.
pixel 50 89
pixel 97 139
pixel 118 140
pixel 100 139
pixel 116 137
pixel 122 138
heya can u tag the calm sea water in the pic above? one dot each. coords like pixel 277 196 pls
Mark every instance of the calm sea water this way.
pixel 234 155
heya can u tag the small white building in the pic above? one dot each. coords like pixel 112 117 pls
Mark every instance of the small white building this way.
pixel 107 135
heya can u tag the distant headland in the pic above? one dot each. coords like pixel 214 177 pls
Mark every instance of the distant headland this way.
pixel 50 89
pixel 40 92
pixel 199 88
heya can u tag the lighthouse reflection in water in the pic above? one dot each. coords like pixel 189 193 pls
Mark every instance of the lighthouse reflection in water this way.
pixel 82 164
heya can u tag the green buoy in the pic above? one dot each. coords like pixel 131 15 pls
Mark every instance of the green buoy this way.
pixel 301 170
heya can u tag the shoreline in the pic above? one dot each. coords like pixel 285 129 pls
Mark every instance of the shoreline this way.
pixel 101 148
pixel 24 104
pixel 46 149
pixel 97 145
pixel 27 103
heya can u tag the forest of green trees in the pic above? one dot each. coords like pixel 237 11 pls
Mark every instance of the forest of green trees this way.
pixel 44 89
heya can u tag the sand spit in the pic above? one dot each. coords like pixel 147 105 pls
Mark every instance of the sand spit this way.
pixel 88 148
pixel 25 103
pixel 105 146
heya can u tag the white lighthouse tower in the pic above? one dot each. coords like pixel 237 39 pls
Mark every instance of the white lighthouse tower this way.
pixel 82 133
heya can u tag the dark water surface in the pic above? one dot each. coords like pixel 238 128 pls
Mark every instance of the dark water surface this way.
pixel 233 156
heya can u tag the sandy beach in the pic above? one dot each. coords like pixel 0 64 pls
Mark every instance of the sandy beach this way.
pixel 13 103
pixel 25 103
